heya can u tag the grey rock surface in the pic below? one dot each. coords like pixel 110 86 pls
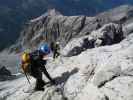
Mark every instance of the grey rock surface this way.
pixel 103 73
pixel 107 35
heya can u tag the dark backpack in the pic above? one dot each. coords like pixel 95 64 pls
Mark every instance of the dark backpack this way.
pixel 36 58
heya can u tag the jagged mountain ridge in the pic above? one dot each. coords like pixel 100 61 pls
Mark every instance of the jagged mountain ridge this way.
pixel 53 26
pixel 15 13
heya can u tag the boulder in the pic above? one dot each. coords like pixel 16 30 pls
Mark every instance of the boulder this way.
pixel 5 74
pixel 5 71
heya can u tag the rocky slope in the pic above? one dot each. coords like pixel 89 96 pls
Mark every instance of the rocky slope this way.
pixel 103 73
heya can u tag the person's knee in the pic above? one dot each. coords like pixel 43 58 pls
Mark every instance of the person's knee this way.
pixel 37 76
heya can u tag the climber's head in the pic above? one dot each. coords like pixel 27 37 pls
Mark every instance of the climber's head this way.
pixel 44 48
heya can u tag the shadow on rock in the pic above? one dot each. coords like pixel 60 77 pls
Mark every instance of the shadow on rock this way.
pixel 1 89
pixel 61 80
pixel 87 44
pixel 65 76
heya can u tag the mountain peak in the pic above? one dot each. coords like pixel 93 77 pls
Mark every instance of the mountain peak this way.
pixel 50 12
pixel 53 12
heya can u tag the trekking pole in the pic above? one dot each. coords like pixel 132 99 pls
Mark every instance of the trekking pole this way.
pixel 27 78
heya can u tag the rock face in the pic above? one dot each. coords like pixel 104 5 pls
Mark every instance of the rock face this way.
pixel 103 73
pixel 52 26
pixel 107 35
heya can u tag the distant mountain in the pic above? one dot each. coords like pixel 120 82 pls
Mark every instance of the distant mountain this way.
pixel 53 26
pixel 13 14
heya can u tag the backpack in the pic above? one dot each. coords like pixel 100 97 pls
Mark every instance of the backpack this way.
pixel 33 57
pixel 34 62
pixel 25 62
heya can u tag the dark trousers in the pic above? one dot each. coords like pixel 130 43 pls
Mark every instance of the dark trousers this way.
pixel 37 73
pixel 56 54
